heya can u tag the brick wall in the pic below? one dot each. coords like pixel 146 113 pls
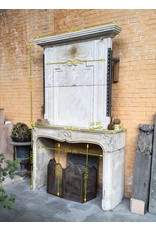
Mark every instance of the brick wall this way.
pixel 18 29
pixel 134 97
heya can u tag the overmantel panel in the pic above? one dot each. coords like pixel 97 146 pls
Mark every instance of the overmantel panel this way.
pixel 77 63
pixel 76 76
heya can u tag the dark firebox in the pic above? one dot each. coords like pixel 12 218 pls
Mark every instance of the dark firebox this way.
pixel 77 182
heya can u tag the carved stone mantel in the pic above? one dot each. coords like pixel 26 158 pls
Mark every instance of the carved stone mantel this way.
pixel 112 144
pixel 108 140
pixel 77 91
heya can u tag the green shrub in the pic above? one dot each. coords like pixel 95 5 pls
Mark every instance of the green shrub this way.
pixel 10 169
pixel 21 132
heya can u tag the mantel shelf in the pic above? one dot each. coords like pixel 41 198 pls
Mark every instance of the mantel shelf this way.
pixel 91 130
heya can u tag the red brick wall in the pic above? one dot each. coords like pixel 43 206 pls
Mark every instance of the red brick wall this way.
pixel 134 97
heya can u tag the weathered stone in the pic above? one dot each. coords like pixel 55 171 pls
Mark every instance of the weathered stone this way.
pixel 42 121
pixel 5 147
pixel 141 177
pixel 152 198
pixel 77 83
pixel 1 116
pixel 113 158
pixel 142 165
pixel 145 139
pixel 77 94
pixel 102 31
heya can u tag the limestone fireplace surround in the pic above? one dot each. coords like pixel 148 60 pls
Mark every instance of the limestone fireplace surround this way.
pixel 80 84
pixel 112 144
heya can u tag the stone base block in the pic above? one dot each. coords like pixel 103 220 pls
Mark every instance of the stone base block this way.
pixel 137 206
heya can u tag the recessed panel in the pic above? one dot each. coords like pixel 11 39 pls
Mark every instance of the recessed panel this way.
pixel 74 105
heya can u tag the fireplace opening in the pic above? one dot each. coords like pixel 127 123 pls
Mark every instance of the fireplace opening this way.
pixel 57 145
pixel 78 181
pixel 64 167
pixel 80 177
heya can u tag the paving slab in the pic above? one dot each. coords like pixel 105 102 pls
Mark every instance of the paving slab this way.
pixel 39 206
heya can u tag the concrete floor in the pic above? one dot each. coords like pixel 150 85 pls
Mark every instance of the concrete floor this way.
pixel 39 206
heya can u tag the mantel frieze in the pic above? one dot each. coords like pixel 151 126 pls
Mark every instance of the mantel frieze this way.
pixel 108 142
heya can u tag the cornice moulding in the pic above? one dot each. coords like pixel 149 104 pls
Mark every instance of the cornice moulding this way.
pixel 97 32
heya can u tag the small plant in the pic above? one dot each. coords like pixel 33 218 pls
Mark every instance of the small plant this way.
pixel 10 169
pixel 21 132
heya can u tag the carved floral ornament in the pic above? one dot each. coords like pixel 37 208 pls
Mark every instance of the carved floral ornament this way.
pixel 65 134
pixel 73 62
pixel 106 139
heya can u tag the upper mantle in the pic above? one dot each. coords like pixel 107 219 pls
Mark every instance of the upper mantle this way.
pixel 105 31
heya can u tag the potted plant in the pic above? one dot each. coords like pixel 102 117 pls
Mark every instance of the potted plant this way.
pixel 21 139
pixel 9 168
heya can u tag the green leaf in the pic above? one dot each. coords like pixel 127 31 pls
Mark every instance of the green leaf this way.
pixel 1 157
pixel 10 205
pixel 12 166
pixel 12 197
pixel 4 173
